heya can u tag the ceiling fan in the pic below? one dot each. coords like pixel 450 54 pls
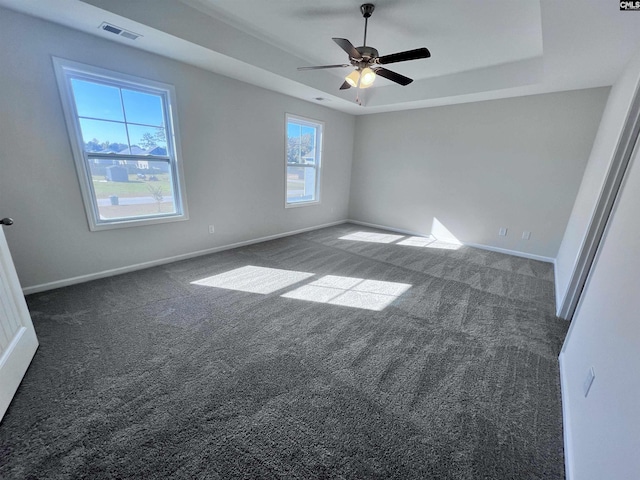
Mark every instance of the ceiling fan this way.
pixel 367 62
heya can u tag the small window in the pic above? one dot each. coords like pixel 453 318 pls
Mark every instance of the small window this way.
pixel 303 153
pixel 123 136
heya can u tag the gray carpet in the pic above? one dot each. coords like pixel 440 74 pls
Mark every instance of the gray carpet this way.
pixel 374 360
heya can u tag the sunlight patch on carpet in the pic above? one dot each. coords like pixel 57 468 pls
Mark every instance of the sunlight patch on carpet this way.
pixel 448 243
pixel 417 241
pixel 350 292
pixel 429 242
pixel 372 237
pixel 254 279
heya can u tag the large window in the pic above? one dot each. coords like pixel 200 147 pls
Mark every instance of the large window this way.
pixel 123 134
pixel 303 152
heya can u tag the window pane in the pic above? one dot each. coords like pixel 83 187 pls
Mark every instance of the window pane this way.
pixel 303 160
pixel 114 118
pixel 97 101
pixel 143 108
pixel 100 136
pixel 308 142
pixel 132 188
pixel 301 184
pixel 293 143
pixel 301 146
pixel 294 130
pixel 150 140
pixel 308 154
pixel 301 141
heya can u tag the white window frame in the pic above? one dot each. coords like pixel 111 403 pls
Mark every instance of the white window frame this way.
pixel 66 70
pixel 319 125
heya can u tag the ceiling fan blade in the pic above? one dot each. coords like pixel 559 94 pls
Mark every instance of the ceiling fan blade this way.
pixel 320 67
pixel 404 56
pixel 348 47
pixel 344 86
pixel 393 76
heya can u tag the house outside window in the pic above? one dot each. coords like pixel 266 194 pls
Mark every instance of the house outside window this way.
pixel 303 161
pixel 126 149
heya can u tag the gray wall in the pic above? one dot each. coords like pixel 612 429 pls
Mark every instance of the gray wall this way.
pixel 604 146
pixel 232 145
pixel 514 163
pixel 603 429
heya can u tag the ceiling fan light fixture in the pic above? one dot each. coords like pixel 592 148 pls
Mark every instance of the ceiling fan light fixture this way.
pixel 353 78
pixel 361 78
pixel 364 57
pixel 367 77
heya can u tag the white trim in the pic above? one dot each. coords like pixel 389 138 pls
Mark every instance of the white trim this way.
pixel 623 154
pixel 319 148
pixel 559 297
pixel 63 69
pixel 566 416
pixel 162 261
pixel 515 253
pixel 302 204
pixel 391 229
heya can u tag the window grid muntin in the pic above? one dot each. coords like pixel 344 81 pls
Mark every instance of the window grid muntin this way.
pixel 104 80
pixel 124 157
pixel 318 140
pixel 68 70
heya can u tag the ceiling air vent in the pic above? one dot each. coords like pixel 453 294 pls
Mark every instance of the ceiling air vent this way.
pixel 107 27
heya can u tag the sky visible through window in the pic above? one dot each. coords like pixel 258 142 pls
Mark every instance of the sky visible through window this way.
pixel 114 119
pixel 302 161
pixel 125 150
pixel 301 141
pixel 117 122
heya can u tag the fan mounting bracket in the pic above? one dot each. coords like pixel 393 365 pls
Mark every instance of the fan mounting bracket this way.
pixel 367 9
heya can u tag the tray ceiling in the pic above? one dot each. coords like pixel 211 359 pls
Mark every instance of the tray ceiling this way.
pixel 480 50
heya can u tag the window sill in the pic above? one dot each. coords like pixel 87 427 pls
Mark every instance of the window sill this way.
pixel 301 204
pixel 137 222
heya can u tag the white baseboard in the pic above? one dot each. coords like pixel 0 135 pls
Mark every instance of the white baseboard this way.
pixel 566 432
pixel 391 229
pixel 162 261
pixel 531 256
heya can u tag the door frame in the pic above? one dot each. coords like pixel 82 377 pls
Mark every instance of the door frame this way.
pixel 604 206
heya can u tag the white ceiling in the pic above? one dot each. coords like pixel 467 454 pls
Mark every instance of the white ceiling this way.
pixel 480 49
pixel 459 42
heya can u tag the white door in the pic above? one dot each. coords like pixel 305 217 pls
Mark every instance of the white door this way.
pixel 18 342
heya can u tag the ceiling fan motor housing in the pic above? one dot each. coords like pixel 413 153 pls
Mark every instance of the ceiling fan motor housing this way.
pixel 369 54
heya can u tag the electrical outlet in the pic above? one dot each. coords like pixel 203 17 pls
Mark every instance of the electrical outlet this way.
pixel 526 235
pixel 502 232
pixel 588 381
pixel 211 229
